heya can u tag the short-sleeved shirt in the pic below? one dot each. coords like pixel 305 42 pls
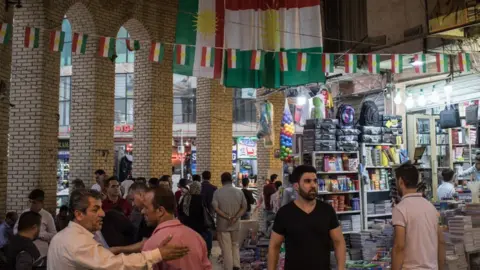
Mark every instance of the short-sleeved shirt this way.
pixel 307 236
pixel 229 200
pixel 123 204
pixel 446 191
pixel 420 220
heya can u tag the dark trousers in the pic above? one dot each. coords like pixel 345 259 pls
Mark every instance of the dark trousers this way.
pixel 208 236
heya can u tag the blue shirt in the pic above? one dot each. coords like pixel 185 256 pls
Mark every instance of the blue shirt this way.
pixel 472 170
pixel 5 233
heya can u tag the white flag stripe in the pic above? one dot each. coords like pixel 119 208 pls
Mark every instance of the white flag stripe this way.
pixel 203 40
pixel 4 30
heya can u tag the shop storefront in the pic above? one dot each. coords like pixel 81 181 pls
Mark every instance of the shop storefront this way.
pixel 246 157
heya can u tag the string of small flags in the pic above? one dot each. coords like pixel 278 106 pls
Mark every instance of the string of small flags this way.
pixel 106 48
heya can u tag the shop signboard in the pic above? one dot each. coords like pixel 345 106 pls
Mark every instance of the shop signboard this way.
pixel 247 148
pixel 446 15
pixel 234 156
pixel 193 164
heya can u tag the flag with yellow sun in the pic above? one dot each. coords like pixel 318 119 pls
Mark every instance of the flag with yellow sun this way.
pixel 280 28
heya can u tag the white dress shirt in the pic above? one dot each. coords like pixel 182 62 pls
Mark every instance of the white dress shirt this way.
pixel 75 248
pixel 446 191
pixel 47 231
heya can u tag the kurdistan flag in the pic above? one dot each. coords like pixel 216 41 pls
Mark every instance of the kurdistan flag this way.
pixel 275 27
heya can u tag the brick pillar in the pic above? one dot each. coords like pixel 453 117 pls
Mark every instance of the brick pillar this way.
pixel 265 156
pixel 33 128
pixel 92 107
pixel 5 59
pixel 153 105
pixel 214 128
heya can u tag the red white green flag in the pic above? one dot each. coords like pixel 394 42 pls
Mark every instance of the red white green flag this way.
pixel 32 37
pixel 133 45
pixel 328 62
pixel 79 43
pixel 350 63
pixel 442 62
pixel 157 52
pixel 284 61
pixel 208 57
pixel 420 63
pixel 106 47
pixel 57 39
pixel 397 63
pixel 180 54
pixel 257 61
pixel 232 58
pixel 301 61
pixel 374 63
pixel 464 61
pixel 5 33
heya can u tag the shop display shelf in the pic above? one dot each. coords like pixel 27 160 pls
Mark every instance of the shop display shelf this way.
pixel 460 144
pixel 378 167
pixel 379 215
pixel 378 144
pixel 375 191
pixel 349 232
pixel 338 172
pixel 338 192
pixel 334 152
pixel 348 212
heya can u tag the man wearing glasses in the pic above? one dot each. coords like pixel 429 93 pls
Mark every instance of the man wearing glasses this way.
pixel 47 227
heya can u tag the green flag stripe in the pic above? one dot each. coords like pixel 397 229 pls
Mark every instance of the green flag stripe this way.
pixel 8 34
pixel 37 37
pixel 186 33
pixel 111 47
pixel 62 41
pixel 84 44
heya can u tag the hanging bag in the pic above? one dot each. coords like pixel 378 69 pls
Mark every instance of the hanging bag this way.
pixel 346 116
pixel 369 115
pixel 471 115
pixel 450 118
pixel 208 218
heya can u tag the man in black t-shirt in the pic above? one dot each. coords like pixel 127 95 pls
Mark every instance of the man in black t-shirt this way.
pixel 308 227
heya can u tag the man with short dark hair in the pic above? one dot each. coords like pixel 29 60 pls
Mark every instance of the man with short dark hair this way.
pixel 447 189
pixel 416 225
pixel 207 192
pixel 153 183
pixel 47 228
pixel 308 227
pixel 113 197
pixel 196 178
pixel 166 181
pixel 21 251
pixel 143 231
pixel 6 228
pixel 75 247
pixel 159 211
pixel 265 201
pixel 248 197
pixel 229 204
pixel 100 177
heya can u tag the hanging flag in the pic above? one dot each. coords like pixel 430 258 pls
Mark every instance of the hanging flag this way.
pixel 5 33
pixel 283 61
pixel 157 51
pixel 106 47
pixel 442 62
pixel 180 54
pixel 57 39
pixel 464 61
pixel 420 63
pixel 374 63
pixel 79 43
pixel 328 62
pixel 301 61
pixel 208 57
pixel 266 25
pixel 201 25
pixel 397 63
pixel 256 62
pixel 350 63
pixel 32 37
pixel 133 45
pixel 232 58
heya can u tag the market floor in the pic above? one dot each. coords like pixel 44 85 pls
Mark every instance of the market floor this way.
pixel 216 251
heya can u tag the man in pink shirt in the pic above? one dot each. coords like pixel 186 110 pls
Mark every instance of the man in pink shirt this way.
pixel 158 211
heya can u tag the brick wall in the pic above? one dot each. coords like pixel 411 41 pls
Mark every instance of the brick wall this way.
pixel 214 128
pixel 5 59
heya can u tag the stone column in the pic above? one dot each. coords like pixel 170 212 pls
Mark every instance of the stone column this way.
pixel 92 107
pixel 6 60
pixel 214 128
pixel 33 128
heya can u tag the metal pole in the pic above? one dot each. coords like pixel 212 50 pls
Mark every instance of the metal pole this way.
pixel 183 152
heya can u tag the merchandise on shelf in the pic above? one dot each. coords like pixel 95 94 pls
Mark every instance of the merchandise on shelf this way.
pixel 338 184
pixel 337 163
pixel 287 131
pixel 319 135
pixel 265 127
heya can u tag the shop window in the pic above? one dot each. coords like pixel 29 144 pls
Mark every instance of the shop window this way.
pixel 64 100
pixel 123 54
pixel 66 55
pixel 124 98
pixel 244 109
pixel 184 110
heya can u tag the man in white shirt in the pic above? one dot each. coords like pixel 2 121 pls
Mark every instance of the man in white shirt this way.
pixel 75 247
pixel 447 189
pixel 100 176
pixel 47 228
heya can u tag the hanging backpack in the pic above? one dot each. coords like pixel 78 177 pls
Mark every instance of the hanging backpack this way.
pixel 346 115
pixel 471 115
pixel 369 115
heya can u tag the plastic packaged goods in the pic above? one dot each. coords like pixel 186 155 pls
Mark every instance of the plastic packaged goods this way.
pixel 347 131
pixel 371 138
pixel 370 130
pixel 347 138
pixel 265 126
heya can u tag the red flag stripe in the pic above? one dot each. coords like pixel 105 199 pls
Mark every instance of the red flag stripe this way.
pixel 347 63
pixel 415 59
pixel 229 58
pixel 152 51
pixel 204 57
pixel 370 61
pixel 178 49
pixel 299 61
pixel 253 60
pixel 52 40
pixel 460 62
pixel 101 46
pixel 219 37
pixel 74 42
pixel 27 36
pixel 269 4
pixel 438 62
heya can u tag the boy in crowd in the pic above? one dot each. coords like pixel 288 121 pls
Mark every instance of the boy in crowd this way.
pixel 447 189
